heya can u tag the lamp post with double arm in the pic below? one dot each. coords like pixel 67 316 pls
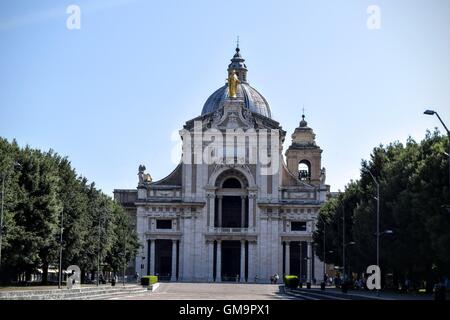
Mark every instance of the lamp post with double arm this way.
pixel 378 213
pixel 431 113
pixel 378 234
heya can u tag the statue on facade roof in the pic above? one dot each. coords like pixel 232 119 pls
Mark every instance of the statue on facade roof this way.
pixel 323 176
pixel 233 81
pixel 144 177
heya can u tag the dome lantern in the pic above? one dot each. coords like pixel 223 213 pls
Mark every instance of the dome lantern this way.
pixel 238 64
pixel 253 100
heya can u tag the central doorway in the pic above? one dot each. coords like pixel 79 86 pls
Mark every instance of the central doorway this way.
pixel 231 260
pixel 163 259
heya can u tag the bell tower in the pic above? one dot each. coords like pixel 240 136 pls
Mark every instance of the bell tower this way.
pixel 303 156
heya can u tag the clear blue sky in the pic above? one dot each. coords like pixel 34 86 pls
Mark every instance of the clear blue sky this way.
pixel 110 95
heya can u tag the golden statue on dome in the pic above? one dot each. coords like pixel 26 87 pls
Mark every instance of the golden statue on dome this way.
pixel 233 81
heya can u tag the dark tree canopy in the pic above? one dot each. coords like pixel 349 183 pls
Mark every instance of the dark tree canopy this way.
pixel 413 193
pixel 39 187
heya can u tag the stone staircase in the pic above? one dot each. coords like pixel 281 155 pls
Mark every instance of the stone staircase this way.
pixel 102 292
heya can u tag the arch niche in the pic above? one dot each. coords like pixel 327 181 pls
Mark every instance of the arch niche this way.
pixel 231 200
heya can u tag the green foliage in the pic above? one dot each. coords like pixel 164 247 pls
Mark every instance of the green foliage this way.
pixel 291 281
pixel 413 192
pixel 41 190
pixel 149 280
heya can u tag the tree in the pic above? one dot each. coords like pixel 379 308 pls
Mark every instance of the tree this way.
pixel 413 190
pixel 38 193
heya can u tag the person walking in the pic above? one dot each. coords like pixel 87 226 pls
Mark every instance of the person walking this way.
pixel 276 278
pixel 407 285
pixel 137 277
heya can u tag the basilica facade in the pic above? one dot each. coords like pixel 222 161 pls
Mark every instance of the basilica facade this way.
pixel 234 209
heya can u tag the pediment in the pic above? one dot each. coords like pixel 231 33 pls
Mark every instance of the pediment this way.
pixel 233 117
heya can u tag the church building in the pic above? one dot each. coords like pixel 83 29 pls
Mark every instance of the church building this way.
pixel 234 209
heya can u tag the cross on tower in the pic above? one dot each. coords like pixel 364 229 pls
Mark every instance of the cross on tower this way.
pixel 237 42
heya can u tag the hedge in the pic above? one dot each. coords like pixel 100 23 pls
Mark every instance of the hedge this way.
pixel 148 280
pixel 291 281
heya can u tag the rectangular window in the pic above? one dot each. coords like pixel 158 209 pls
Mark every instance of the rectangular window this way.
pixel 163 224
pixel 298 226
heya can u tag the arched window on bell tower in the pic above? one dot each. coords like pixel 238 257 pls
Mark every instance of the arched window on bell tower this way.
pixel 303 157
pixel 304 170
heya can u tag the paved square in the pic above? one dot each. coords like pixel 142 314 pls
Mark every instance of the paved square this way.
pixel 213 291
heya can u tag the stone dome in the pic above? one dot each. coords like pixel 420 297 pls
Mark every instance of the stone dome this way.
pixel 253 100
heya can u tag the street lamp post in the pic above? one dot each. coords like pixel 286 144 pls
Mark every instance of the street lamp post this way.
pixel 2 208
pixel 378 216
pixel 378 221
pixel 1 217
pixel 98 248
pixel 345 245
pixel 61 249
pixel 430 113
pixel 324 250
pixel 124 257
pixel 343 241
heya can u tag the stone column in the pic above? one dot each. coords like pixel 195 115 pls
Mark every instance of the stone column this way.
pixel 208 211
pixel 140 229
pixel 219 219
pixel 287 258
pixel 142 259
pixel 251 262
pixel 219 261
pixel 309 261
pixel 152 257
pixel 242 273
pixel 301 261
pixel 210 245
pixel 212 210
pixel 174 261
pixel 181 259
pixel 242 211
pixel 250 212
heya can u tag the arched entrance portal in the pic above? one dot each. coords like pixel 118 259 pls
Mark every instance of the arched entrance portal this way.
pixel 231 207
pixel 231 215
